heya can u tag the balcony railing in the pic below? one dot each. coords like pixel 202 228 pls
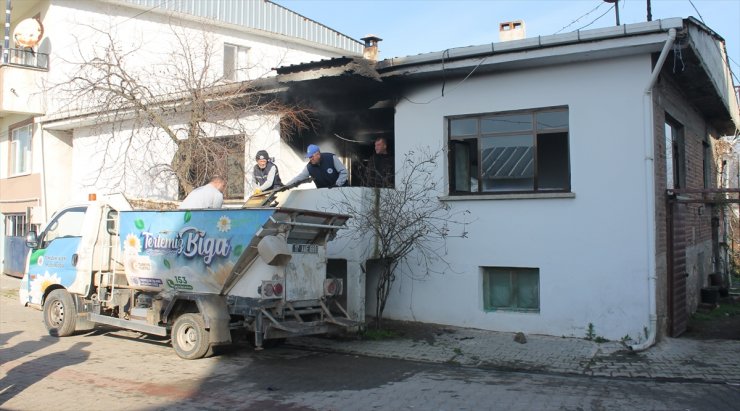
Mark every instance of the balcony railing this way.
pixel 25 58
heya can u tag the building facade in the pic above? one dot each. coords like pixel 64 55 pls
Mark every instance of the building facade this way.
pixel 52 138
pixel 570 153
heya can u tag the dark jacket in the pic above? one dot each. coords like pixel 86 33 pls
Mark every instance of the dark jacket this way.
pixel 260 175
pixel 323 173
pixel 380 171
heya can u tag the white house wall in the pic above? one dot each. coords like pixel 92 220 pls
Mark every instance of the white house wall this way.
pixel 69 25
pixel 117 159
pixel 120 162
pixel 57 182
pixel 592 250
pixel 69 34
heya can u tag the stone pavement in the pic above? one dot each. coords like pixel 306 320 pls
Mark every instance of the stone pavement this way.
pixel 672 359
pixel 680 359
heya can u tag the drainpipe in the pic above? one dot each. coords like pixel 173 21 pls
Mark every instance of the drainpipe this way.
pixel 649 140
pixel 44 198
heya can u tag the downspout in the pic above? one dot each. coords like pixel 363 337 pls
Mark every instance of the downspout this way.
pixel 649 140
pixel 44 199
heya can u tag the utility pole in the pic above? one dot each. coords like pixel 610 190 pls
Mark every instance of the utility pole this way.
pixel 616 8
pixel 649 11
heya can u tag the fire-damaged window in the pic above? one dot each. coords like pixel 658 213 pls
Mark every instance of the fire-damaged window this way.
pixel 215 156
pixel 524 151
pixel 236 62
pixel 511 288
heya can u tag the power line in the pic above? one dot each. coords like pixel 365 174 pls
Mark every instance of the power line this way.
pixel 597 19
pixel 601 3
pixel 697 11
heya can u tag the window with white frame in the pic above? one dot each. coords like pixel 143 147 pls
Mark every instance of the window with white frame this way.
pixel 20 150
pixel 236 62
pixel 523 151
pixel 510 288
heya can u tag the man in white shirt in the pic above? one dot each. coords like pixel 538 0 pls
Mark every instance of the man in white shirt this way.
pixel 210 195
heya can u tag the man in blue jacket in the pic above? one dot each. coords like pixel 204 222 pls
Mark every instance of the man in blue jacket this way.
pixel 325 169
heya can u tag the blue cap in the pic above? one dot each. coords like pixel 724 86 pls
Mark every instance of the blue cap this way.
pixel 311 150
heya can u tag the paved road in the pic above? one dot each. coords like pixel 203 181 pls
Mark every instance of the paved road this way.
pixel 121 370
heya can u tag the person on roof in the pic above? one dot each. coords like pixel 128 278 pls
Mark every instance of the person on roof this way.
pixel 325 169
pixel 266 174
pixel 210 195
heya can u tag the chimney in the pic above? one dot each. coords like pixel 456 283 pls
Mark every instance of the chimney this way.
pixel 512 30
pixel 371 47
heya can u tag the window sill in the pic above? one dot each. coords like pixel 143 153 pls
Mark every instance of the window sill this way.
pixel 23 174
pixel 509 196
pixel 512 310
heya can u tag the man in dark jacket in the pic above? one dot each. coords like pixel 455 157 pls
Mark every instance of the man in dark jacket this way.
pixel 266 174
pixel 325 169
pixel 380 167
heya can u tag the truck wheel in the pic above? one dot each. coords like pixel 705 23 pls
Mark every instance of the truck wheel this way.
pixel 190 339
pixel 60 313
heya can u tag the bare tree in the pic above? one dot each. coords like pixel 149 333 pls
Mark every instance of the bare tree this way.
pixel 405 223
pixel 165 116
pixel 727 155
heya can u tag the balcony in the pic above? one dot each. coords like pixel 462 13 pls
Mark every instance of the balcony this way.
pixel 21 75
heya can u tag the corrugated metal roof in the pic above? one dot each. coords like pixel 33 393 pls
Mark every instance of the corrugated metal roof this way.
pixel 257 14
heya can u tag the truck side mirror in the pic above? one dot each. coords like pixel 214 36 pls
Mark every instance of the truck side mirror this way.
pixel 32 240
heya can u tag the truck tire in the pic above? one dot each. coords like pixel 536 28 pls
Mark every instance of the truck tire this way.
pixel 60 313
pixel 190 339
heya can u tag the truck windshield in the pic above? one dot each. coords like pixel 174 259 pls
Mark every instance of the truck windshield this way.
pixel 66 224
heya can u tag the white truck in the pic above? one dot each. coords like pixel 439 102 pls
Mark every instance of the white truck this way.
pixel 198 276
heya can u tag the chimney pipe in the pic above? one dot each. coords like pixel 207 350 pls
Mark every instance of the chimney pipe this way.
pixel 371 47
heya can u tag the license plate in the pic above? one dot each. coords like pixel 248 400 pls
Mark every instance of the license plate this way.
pixel 306 248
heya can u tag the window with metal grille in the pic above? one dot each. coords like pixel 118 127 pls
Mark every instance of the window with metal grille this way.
pixel 16 225
pixel 510 288
pixel 523 151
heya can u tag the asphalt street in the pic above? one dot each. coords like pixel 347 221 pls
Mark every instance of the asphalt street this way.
pixel 122 370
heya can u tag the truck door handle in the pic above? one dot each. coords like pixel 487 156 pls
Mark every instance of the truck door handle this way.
pixel 75 257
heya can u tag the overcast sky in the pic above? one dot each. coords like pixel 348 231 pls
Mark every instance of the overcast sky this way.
pixel 410 27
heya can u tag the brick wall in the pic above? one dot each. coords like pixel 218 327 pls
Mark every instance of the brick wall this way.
pixel 669 102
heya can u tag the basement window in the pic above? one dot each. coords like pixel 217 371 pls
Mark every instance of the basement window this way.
pixel 513 152
pixel 511 288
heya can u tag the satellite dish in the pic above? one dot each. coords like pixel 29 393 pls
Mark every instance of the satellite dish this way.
pixel 28 33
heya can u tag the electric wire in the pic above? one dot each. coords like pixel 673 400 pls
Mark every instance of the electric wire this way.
pixel 452 89
pixel 601 3
pixel 697 11
pixel 598 18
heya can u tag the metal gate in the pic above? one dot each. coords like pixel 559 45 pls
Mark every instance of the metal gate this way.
pixel 677 221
